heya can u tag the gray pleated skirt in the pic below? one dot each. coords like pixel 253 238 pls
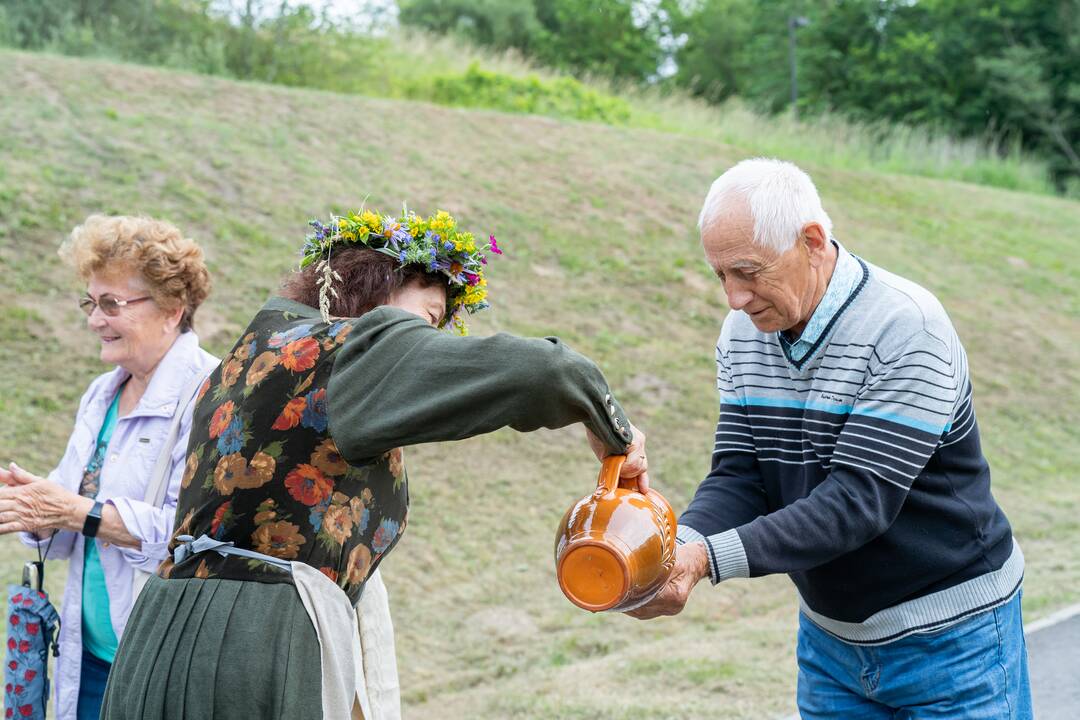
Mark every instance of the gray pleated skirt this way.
pixel 215 649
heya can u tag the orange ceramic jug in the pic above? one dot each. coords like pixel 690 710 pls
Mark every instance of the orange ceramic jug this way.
pixel 615 548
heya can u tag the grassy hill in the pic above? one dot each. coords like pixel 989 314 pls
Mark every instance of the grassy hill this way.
pixel 598 225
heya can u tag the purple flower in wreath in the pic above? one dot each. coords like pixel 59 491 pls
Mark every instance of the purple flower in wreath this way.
pixel 314 415
pixel 472 279
pixel 384 535
pixel 494 247
pixel 281 339
pixel 321 231
pixel 232 439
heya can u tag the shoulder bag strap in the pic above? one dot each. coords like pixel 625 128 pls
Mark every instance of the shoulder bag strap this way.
pixel 159 480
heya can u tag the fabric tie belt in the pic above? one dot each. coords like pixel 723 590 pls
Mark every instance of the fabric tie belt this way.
pixel 191 546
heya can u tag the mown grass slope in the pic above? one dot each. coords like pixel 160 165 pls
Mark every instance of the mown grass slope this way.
pixel 598 225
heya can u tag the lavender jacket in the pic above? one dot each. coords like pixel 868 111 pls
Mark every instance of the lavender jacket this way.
pixel 133 452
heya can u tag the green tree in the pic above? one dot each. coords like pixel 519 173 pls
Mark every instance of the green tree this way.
pixel 1006 69
pixel 613 38
pixel 500 24
pixel 616 38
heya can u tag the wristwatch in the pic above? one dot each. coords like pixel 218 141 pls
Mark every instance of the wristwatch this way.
pixel 93 520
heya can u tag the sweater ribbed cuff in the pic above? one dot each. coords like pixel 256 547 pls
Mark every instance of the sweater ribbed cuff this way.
pixel 686 534
pixel 727 557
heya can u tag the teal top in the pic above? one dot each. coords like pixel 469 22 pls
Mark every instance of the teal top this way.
pixel 98 636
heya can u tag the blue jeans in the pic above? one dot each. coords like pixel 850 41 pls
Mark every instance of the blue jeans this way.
pixel 976 669
pixel 95 673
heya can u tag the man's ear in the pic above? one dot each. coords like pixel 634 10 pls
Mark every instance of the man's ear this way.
pixel 817 243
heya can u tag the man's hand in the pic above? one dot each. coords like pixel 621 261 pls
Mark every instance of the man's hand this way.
pixel 691 564
pixel 636 467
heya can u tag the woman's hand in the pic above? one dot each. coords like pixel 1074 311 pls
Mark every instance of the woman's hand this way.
pixel 636 467
pixel 33 504
pixel 30 503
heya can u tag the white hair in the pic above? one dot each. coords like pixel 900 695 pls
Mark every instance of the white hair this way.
pixel 782 200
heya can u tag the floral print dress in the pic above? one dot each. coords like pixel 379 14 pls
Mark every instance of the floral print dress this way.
pixel 264 472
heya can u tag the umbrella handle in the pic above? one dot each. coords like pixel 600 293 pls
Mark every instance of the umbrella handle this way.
pixel 33 575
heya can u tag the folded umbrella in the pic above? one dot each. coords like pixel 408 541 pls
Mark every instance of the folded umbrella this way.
pixel 32 629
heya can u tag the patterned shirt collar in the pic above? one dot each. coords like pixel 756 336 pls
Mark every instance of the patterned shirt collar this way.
pixel 845 278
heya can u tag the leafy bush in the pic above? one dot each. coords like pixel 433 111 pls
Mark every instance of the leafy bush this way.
pixel 560 97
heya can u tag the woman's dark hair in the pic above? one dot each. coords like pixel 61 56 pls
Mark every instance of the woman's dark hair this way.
pixel 368 278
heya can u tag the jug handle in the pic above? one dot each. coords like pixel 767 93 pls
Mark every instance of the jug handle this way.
pixel 609 473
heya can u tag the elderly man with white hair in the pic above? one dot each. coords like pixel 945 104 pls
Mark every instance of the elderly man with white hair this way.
pixel 847 456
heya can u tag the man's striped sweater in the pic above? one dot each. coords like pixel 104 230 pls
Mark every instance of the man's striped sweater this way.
pixel 856 469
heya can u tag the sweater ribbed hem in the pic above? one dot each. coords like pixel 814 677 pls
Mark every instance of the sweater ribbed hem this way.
pixel 930 612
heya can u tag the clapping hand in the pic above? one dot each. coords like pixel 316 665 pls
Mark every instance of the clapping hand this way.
pixel 28 503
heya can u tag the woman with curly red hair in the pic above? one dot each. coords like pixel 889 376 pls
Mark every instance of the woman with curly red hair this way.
pixel 144 282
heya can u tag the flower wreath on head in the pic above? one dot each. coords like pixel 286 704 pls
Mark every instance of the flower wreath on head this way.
pixel 434 243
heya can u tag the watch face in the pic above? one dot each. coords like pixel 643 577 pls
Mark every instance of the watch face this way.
pixel 93 520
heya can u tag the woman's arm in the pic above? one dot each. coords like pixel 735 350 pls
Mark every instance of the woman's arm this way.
pixel 398 381
pixel 151 525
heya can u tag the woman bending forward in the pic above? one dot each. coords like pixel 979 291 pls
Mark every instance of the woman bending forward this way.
pixel 295 486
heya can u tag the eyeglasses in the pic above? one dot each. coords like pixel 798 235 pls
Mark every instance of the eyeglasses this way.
pixel 109 304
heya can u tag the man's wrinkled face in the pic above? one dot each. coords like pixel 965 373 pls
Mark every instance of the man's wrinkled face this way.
pixel 774 289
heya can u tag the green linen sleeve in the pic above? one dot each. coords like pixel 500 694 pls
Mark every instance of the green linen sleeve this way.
pixel 398 381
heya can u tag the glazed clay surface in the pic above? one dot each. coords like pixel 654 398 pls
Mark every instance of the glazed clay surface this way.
pixel 615 548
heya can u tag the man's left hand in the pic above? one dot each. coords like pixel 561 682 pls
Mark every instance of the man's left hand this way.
pixel 691 564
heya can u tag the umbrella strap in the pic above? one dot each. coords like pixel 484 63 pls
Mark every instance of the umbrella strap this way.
pixel 190 546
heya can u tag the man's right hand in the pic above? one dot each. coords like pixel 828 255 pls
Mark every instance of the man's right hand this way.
pixel 691 565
